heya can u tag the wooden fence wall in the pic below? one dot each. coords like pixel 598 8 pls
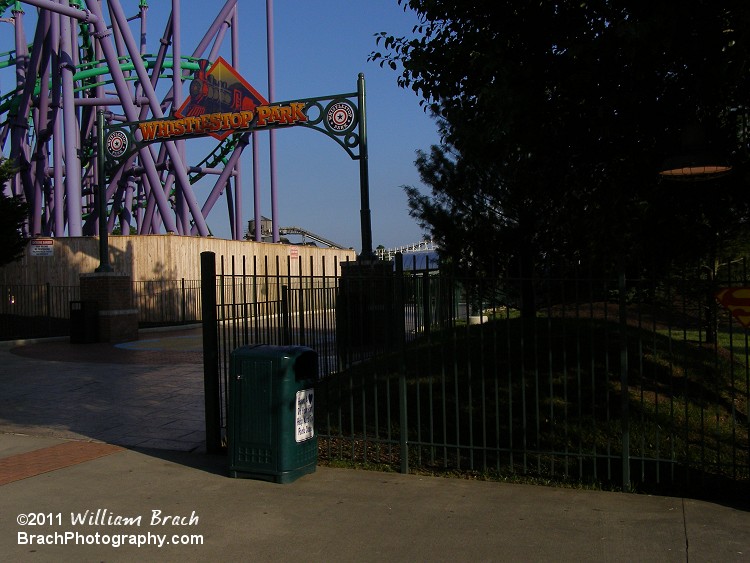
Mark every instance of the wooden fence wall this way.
pixel 158 257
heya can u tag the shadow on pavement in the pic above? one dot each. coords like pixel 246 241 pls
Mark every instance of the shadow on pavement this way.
pixel 215 464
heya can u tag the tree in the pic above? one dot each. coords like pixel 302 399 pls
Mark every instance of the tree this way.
pixel 557 115
pixel 13 214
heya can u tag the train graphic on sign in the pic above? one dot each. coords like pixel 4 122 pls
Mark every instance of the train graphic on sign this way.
pixel 211 95
pixel 219 89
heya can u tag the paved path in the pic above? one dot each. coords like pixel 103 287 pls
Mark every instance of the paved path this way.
pixel 117 432
pixel 147 394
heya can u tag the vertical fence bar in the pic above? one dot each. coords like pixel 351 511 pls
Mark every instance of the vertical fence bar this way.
pixel 301 303
pixel 400 342
pixel 469 383
pixel 624 388
pixel 579 371
pixel 593 381
pixel 522 351
pixel 256 302
pixel 550 367
pixel 732 391
pixel 183 315
pixel 234 307
pixel 419 303
pixel 286 328
pixel 247 312
pixel 311 304
pixel 210 352
pixel 642 442
pixel 671 331
pixel 564 321
pixel 510 355
pixel 685 377
pixel 430 390
pixel 456 394
pixel 537 398
pixel 48 308
pixel 747 375
pixel 426 299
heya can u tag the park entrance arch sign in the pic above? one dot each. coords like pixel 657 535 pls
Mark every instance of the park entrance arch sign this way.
pixel 221 104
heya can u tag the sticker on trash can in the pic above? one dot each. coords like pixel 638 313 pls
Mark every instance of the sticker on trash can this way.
pixel 304 416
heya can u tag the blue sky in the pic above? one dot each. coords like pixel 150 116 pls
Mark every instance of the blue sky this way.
pixel 320 47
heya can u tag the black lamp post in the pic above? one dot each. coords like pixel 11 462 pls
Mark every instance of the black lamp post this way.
pixel 698 163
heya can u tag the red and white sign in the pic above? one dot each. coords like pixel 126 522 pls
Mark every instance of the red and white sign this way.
pixel 42 247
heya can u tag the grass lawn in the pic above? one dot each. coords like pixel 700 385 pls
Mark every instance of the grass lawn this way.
pixel 555 398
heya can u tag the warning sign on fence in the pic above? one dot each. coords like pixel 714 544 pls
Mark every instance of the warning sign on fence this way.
pixel 42 246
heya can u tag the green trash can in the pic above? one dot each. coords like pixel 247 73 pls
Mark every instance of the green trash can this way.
pixel 271 412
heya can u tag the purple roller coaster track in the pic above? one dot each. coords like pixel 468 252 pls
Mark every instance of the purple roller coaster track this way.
pixel 89 55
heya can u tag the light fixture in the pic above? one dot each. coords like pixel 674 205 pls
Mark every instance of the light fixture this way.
pixel 694 168
pixel 695 161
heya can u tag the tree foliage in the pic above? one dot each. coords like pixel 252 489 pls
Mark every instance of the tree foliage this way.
pixel 13 213
pixel 556 116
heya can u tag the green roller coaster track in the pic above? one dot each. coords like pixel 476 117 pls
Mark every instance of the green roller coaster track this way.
pixel 88 74
pixel 5 4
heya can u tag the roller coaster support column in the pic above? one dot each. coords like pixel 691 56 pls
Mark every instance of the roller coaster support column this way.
pixel 272 132
pixel 180 174
pixel 131 113
pixel 71 132
pixel 70 11
pixel 182 198
pixel 237 223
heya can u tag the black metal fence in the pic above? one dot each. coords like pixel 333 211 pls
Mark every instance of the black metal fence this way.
pixel 35 311
pixel 167 302
pixel 43 310
pixel 620 382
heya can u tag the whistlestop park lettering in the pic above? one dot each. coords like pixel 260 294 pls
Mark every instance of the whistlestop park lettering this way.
pixel 263 116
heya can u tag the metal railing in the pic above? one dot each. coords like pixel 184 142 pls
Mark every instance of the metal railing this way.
pixel 35 311
pixel 628 383
pixel 43 310
pixel 167 302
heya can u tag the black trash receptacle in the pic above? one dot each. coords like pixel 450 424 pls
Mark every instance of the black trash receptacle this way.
pixel 270 419
pixel 84 322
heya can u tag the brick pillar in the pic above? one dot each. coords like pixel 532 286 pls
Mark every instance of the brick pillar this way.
pixel 113 294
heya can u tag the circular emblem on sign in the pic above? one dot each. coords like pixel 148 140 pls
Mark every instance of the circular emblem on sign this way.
pixel 340 116
pixel 117 143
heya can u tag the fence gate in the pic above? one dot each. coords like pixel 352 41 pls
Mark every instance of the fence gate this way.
pixel 255 303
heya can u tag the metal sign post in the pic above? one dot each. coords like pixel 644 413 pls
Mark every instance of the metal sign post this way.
pixel 101 155
pixel 364 175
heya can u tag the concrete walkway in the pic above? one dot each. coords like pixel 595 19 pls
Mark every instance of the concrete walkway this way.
pixel 118 432
pixel 147 393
